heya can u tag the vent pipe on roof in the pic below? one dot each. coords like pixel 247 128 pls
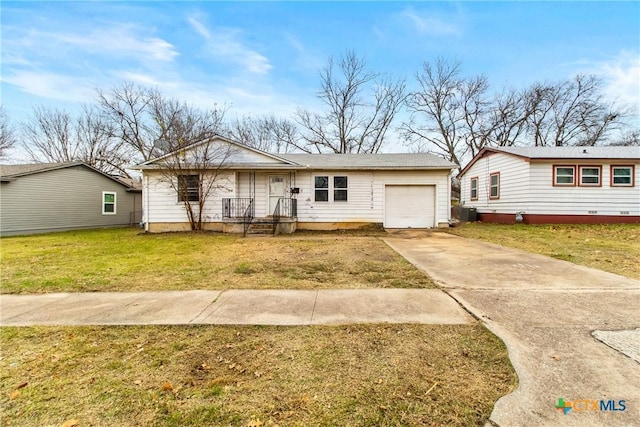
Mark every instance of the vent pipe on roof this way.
pixel 584 151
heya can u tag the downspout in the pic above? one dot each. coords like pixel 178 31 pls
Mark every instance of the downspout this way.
pixel 449 177
pixel 145 207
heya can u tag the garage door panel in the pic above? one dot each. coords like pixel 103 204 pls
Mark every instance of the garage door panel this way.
pixel 409 206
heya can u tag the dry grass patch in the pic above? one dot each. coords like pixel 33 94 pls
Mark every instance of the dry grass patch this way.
pixel 365 375
pixel 126 260
pixel 613 247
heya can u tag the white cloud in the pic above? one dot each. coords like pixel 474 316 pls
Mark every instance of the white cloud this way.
pixel 52 86
pixel 425 22
pixel 622 78
pixel 305 58
pixel 620 75
pixel 225 44
pixel 117 40
pixel 199 27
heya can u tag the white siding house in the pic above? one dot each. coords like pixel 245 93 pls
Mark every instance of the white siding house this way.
pixel 554 184
pixel 46 197
pixel 308 191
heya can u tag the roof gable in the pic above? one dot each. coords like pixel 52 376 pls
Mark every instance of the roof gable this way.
pixel 10 173
pixel 240 155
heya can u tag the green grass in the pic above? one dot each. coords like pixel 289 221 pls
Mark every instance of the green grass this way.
pixel 127 260
pixel 365 375
pixel 613 247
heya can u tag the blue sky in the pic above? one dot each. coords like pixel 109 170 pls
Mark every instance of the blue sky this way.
pixel 263 57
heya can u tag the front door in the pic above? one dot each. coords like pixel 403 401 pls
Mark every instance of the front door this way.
pixel 276 191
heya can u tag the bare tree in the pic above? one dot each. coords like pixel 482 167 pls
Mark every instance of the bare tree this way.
pixel 570 112
pixel 196 173
pixel 48 136
pixel 195 160
pixel 353 122
pixel 130 110
pixel 266 133
pixel 630 138
pixel 97 145
pixel 52 135
pixel 140 116
pixel 7 134
pixel 437 111
pixel 509 115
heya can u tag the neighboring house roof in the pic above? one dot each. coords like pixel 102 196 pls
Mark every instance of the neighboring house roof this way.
pixel 400 161
pixel 561 153
pixel 404 161
pixel 10 173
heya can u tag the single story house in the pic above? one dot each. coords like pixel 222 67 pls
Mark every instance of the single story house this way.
pixel 547 185
pixel 302 191
pixel 46 197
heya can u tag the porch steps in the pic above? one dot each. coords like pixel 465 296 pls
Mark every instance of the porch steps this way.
pixel 260 226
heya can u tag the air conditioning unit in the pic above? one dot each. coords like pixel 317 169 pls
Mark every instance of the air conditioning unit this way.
pixel 468 214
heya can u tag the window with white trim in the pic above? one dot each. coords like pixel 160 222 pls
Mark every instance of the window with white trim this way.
pixel 109 203
pixel 474 188
pixel 321 188
pixel 590 176
pixel 622 176
pixel 340 188
pixel 564 175
pixel 330 188
pixel 494 187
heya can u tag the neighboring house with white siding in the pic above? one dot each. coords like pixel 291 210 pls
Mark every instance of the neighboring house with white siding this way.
pixel 308 191
pixel 46 197
pixel 548 185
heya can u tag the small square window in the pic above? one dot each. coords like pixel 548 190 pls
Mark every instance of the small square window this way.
pixel 108 203
pixel 189 188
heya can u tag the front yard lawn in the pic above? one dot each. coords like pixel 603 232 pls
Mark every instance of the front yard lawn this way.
pixel 127 260
pixel 357 375
pixel 364 375
pixel 613 247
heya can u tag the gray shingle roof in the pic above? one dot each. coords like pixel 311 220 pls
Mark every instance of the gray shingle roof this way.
pixel 573 152
pixel 370 161
pixel 11 171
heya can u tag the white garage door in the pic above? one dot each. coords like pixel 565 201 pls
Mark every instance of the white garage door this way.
pixel 409 206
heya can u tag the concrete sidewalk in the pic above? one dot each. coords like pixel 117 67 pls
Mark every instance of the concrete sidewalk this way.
pixel 551 315
pixel 238 307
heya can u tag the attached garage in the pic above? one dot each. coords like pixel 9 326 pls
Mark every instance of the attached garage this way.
pixel 410 206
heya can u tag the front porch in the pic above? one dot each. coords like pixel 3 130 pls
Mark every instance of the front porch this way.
pixel 238 216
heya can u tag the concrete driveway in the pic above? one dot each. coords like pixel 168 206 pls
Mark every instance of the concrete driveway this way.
pixel 546 312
